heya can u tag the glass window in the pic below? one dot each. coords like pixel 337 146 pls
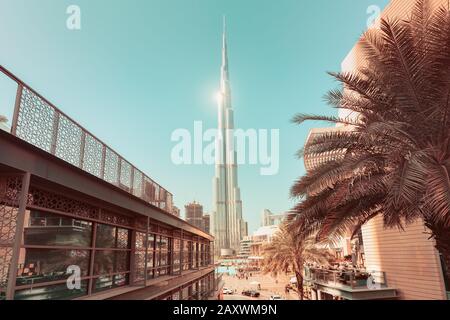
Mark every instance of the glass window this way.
pixel 157 259
pixel 53 292
pixel 139 265
pixel 123 238
pixel 164 259
pixel 140 241
pixel 164 243
pixel 176 258
pixel 106 236
pixel 185 293
pixel 46 265
pixel 176 296
pixel 176 244
pixel 194 256
pixel 150 259
pixel 112 237
pixel 48 229
pixel 151 241
pixel 111 261
pixel 109 282
pixel 163 271
pixel 139 257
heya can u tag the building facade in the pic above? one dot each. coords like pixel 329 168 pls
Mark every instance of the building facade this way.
pixel 271 219
pixel 245 248
pixel 206 223
pixel 78 221
pixel 194 214
pixel 228 224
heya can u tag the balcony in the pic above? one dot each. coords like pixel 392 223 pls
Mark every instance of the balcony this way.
pixel 350 284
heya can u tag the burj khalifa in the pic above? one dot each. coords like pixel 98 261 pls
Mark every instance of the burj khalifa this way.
pixel 228 225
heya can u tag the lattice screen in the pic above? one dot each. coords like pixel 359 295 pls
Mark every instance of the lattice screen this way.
pixel 9 203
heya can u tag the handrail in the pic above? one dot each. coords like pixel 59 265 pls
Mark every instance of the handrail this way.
pixel 55 132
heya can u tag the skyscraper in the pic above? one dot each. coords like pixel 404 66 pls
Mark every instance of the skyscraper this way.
pixel 194 214
pixel 228 225
pixel 206 223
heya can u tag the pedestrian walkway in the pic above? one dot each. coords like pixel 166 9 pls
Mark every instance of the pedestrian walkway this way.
pixel 269 286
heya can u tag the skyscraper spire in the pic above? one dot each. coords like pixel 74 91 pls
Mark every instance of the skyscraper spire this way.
pixel 225 76
pixel 228 225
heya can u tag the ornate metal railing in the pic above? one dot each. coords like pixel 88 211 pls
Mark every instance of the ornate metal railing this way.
pixel 38 122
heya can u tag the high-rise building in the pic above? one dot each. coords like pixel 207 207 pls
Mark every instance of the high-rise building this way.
pixel 228 225
pixel 271 219
pixel 245 248
pixel 207 223
pixel 194 214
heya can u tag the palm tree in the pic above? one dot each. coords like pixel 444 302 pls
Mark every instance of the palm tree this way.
pixel 286 253
pixel 395 160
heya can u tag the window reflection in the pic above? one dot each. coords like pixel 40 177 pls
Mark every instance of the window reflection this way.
pixel 111 261
pixel 139 257
pixel 46 265
pixel 52 292
pixel 109 282
pixel 163 243
pixel 112 237
pixel 52 243
pixel 46 229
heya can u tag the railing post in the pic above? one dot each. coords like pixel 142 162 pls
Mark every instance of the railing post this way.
pixel 15 118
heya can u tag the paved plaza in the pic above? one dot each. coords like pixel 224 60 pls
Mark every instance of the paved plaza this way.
pixel 269 286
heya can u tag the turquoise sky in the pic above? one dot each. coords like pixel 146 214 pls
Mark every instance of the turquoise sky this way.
pixel 139 69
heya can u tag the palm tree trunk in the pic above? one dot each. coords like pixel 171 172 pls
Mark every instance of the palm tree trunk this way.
pixel 299 277
pixel 442 237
